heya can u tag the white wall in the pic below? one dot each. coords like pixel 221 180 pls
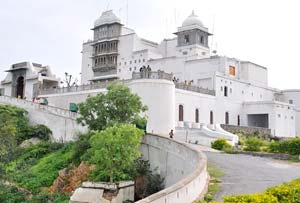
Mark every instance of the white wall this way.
pixel 159 96
pixel 294 95
pixel 184 170
pixel 86 63
pixel 61 122
pixel 192 101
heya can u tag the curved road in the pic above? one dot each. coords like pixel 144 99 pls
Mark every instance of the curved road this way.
pixel 248 174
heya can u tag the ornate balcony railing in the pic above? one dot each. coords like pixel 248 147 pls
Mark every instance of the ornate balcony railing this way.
pixel 160 75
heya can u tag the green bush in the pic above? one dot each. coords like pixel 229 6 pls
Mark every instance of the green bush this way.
pixel 285 193
pixel 253 144
pixel 253 198
pixel 291 146
pixel 10 194
pixel 220 144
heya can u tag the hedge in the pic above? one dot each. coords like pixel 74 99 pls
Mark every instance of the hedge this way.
pixel 285 193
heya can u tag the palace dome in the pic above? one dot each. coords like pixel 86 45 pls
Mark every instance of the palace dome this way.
pixel 107 17
pixel 192 20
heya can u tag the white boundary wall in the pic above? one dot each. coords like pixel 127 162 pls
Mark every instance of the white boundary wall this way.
pixel 183 167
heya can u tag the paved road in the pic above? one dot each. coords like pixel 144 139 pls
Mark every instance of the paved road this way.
pixel 248 174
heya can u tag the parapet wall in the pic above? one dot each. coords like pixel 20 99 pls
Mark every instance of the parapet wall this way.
pixel 62 122
pixel 183 167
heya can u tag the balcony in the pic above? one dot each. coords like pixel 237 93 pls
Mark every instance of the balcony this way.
pixel 104 67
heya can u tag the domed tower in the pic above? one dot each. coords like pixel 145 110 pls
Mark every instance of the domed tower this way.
pixel 192 38
pixel 107 29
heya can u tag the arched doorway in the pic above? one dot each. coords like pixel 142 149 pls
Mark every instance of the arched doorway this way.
pixel 197 115
pixel 226 118
pixel 211 117
pixel 20 87
pixel 180 112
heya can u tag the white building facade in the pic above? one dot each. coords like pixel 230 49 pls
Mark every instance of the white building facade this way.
pixel 25 80
pixel 224 90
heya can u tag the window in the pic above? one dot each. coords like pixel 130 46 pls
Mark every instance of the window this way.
pixel 230 90
pixel 278 115
pixel 211 117
pixel 292 117
pixel 238 120
pixel 180 112
pixel 130 69
pixel 225 91
pixel 144 60
pixel 231 70
pixel 291 101
pixel 221 88
pixel 197 115
pixel 202 40
pixel 226 118
pixel 186 39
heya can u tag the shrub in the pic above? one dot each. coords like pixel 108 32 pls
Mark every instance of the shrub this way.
pixel 291 146
pixel 253 198
pixel 220 144
pixel 253 144
pixel 285 193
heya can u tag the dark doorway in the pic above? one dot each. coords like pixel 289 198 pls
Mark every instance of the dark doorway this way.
pixel 238 120
pixel 180 112
pixel 197 115
pixel 226 118
pixel 258 120
pixel 20 87
pixel 211 117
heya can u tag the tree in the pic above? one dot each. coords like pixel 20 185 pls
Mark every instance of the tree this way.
pixel 17 117
pixel 69 80
pixel 8 140
pixel 114 150
pixel 118 105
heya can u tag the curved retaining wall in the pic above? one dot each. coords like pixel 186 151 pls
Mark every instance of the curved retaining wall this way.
pixel 183 167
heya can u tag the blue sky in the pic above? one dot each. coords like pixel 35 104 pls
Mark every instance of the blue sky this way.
pixel 51 32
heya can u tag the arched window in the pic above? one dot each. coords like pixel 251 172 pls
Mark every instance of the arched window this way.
pixel 238 120
pixel 180 112
pixel 225 91
pixel 226 118
pixel 211 117
pixel 197 115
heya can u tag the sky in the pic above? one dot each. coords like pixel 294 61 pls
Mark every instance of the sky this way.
pixel 51 32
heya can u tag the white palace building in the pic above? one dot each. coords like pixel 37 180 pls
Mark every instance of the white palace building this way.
pixel 184 86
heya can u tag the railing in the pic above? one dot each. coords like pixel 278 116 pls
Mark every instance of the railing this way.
pixel 192 88
pixel 160 75
pixel 79 88
pixel 152 75
pixel 36 106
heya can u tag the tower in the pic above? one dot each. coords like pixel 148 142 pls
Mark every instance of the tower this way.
pixel 192 38
pixel 107 30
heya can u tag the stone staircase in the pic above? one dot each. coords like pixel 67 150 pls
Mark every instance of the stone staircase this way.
pixel 204 135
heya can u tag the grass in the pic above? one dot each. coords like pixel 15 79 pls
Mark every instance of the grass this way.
pixel 213 187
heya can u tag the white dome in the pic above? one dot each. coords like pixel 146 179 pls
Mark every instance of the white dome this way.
pixel 107 17
pixel 192 20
